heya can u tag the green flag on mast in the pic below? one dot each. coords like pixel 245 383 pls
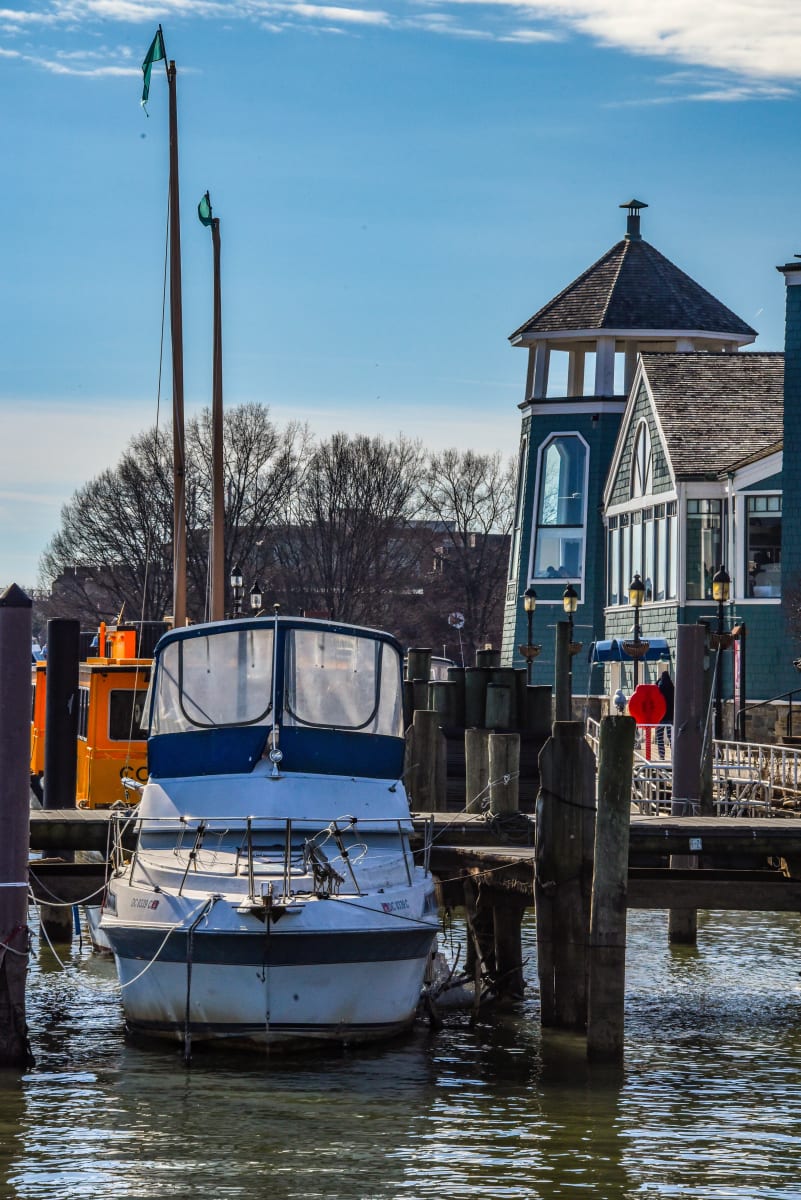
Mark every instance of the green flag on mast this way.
pixel 204 210
pixel 154 54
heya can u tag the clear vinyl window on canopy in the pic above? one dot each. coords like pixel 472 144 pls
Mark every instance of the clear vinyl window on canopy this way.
pixel 336 680
pixel 221 679
pixel 561 509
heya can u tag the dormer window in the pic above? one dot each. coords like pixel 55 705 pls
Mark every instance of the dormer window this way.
pixel 642 469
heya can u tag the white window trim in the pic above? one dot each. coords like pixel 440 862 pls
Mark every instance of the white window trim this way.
pixel 532 581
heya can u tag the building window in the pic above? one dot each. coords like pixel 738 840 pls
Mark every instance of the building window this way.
pixel 561 503
pixel 642 470
pixel 763 547
pixel 704 546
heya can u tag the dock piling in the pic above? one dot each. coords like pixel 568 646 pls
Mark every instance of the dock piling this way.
pixel 61 756
pixel 15 708
pixel 607 957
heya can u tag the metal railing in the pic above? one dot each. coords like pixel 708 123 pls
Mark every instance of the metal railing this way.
pixel 749 778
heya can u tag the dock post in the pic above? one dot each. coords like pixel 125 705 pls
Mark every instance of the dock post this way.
pixel 565 834
pixel 15 709
pixel 61 745
pixel 480 953
pixel 476 769
pixel 688 740
pixel 504 772
pixel 607 973
pixel 507 916
pixel 563 702
pixel 426 766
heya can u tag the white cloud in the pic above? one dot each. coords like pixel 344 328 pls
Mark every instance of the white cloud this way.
pixel 752 41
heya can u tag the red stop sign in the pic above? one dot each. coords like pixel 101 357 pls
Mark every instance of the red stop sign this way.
pixel 647 704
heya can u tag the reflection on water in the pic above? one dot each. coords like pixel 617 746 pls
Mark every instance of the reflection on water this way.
pixel 709 1103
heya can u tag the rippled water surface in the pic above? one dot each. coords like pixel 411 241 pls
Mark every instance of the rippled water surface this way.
pixel 709 1103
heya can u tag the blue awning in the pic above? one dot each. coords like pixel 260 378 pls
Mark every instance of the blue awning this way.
pixel 611 650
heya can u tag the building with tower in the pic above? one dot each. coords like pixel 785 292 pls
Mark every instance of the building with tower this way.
pixel 586 349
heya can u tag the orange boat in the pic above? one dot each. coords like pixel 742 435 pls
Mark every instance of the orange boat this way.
pixel 112 745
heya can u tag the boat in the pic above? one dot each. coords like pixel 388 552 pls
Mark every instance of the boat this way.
pixel 111 742
pixel 272 897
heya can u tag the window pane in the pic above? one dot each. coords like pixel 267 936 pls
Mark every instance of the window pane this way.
pixel 126 714
pixel 221 679
pixel 614 566
pixel 559 543
pixel 704 547
pixel 338 681
pixel 648 562
pixel 764 546
pixel 661 559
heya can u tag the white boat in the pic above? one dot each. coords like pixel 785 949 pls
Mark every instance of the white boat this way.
pixel 273 896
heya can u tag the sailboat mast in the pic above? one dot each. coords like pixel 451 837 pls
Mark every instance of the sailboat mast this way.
pixel 176 328
pixel 217 482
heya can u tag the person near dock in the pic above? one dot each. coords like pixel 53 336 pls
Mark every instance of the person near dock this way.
pixel 665 686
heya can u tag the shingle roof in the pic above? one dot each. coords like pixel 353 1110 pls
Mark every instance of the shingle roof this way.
pixel 634 287
pixel 716 409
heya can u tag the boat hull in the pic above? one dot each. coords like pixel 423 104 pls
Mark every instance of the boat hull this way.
pixel 272 988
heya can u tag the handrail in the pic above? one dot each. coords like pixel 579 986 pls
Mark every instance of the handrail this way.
pixel 788 696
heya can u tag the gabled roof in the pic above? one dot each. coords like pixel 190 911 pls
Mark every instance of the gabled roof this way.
pixel 634 287
pixel 715 410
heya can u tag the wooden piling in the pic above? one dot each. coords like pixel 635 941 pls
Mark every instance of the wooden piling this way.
pixel 507 677
pixel 61 746
pixel 475 696
pixel 456 677
pixel 15 710
pixel 563 704
pixel 504 772
pixel 689 715
pixel 607 957
pixel 498 711
pixel 476 764
pixel 488 657
pixel 418 663
pixel 507 916
pixel 480 954
pixel 442 698
pixel 565 832
pixel 426 762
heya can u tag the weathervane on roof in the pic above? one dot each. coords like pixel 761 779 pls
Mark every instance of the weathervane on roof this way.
pixel 633 221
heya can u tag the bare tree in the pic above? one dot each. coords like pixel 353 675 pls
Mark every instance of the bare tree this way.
pixel 347 550
pixel 114 545
pixel 469 500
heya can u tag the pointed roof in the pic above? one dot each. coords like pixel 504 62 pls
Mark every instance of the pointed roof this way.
pixel 716 410
pixel 634 287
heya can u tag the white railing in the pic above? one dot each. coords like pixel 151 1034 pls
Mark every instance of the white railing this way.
pixel 749 778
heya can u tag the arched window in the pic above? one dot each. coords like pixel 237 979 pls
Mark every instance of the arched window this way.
pixel 561 506
pixel 642 470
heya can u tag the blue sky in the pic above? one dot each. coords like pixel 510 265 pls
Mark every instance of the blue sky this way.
pixel 400 185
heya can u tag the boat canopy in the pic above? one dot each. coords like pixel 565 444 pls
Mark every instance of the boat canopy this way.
pixel 223 692
pixel 611 650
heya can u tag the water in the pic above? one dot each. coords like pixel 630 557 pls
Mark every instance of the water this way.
pixel 708 1106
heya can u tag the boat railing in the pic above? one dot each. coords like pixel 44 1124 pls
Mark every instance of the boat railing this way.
pixel 295 850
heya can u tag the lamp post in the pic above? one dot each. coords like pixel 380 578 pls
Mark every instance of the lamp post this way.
pixel 529 651
pixel 721 587
pixel 237 589
pixel 255 598
pixel 636 597
pixel 570 601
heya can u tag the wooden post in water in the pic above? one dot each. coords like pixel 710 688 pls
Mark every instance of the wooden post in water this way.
pixel 607 973
pixel 498 713
pixel 61 746
pixel 688 737
pixel 426 762
pixel 476 768
pixel 418 663
pixel 507 916
pixel 15 709
pixel 504 772
pixel 561 682
pixel 565 823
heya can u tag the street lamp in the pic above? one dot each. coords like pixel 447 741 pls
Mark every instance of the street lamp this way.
pixel 570 601
pixel 636 648
pixel 237 589
pixel 721 587
pixel 529 651
pixel 255 598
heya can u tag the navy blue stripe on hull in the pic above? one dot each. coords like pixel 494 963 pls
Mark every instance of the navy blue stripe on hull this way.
pixel 232 1029
pixel 272 949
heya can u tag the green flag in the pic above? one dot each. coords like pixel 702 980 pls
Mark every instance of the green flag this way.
pixel 204 210
pixel 154 54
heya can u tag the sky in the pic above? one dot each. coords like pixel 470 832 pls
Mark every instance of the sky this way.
pixel 400 185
